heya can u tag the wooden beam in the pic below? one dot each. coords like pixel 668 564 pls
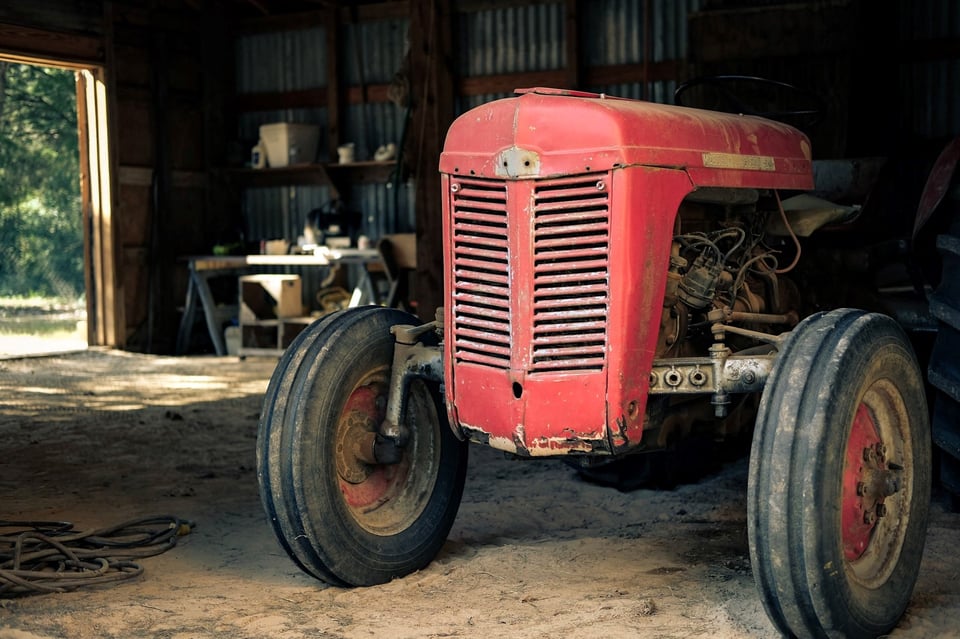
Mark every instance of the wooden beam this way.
pixel 625 73
pixel 302 99
pixel 590 77
pixel 572 43
pixel 394 10
pixel 334 101
pixel 37 45
pixel 506 83
pixel 281 22
pixel 471 6
pixel 432 98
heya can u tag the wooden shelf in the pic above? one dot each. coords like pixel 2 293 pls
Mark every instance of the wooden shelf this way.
pixel 337 176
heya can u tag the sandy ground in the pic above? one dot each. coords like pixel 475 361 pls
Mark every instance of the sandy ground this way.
pixel 100 437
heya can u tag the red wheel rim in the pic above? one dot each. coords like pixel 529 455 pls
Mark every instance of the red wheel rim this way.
pixel 877 485
pixel 385 498
pixel 368 486
pixel 858 516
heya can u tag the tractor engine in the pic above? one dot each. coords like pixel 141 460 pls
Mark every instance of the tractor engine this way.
pixel 606 268
pixel 720 268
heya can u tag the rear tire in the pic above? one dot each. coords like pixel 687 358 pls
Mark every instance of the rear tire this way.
pixel 844 406
pixel 340 519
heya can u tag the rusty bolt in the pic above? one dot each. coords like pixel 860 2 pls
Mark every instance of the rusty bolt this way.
pixel 881 510
pixel 869 517
pixel 868 454
pixel 861 489
pixel 881 452
pixel 749 377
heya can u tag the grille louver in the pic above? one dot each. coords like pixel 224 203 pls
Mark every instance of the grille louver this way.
pixel 481 294
pixel 571 288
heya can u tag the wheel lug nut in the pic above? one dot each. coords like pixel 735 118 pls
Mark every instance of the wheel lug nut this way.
pixel 861 489
pixel 881 510
pixel 869 517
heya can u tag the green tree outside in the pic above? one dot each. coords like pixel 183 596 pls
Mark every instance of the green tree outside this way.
pixel 41 234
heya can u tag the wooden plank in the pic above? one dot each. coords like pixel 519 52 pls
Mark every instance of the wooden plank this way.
pixel 432 112
pixel 472 6
pixel 334 94
pixel 36 45
pixel 593 76
pixel 572 43
pixel 625 73
pixel 143 176
pixel 86 202
pixel 374 93
pixel 506 83
pixel 276 101
pixel 394 10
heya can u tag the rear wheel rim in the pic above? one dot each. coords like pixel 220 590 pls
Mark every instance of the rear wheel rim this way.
pixel 877 488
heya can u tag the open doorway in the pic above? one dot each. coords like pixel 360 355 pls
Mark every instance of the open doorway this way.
pixel 42 288
pixel 56 264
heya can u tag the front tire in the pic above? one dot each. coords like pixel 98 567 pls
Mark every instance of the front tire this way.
pixel 345 521
pixel 839 482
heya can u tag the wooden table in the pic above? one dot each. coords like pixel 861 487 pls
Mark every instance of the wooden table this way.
pixel 203 267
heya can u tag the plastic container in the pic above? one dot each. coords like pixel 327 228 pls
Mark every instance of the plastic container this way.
pixel 290 143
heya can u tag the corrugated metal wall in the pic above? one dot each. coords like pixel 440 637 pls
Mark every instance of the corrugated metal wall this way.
pixel 615 34
pixel 532 38
pixel 930 89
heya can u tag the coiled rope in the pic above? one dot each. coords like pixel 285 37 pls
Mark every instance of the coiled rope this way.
pixel 50 556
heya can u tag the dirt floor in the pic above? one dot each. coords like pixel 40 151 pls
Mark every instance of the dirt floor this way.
pixel 100 437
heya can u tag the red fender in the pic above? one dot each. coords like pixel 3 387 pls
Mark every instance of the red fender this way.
pixel 937 184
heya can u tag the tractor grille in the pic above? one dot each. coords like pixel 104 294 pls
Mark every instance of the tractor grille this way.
pixel 571 290
pixel 571 229
pixel 481 293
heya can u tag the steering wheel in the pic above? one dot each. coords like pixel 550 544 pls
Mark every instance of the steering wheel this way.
pixel 750 95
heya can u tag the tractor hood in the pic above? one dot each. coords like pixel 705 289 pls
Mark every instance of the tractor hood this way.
pixel 549 132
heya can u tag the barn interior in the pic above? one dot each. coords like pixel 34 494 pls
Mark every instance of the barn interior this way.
pixel 228 147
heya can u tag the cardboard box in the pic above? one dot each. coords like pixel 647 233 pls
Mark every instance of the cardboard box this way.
pixel 289 143
pixel 269 296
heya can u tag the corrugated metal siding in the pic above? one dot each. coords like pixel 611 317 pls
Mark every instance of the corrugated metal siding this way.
pixel 284 61
pixel 931 104
pixel 532 38
pixel 615 33
pixel 528 38
pixel 371 125
pixel 380 46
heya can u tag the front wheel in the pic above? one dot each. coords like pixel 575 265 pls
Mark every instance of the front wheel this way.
pixel 340 518
pixel 839 482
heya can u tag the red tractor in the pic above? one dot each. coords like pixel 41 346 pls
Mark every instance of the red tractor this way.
pixel 618 278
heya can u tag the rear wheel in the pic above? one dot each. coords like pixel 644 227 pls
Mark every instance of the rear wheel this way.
pixel 840 478
pixel 341 518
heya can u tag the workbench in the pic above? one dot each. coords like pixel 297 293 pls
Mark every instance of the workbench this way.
pixel 203 267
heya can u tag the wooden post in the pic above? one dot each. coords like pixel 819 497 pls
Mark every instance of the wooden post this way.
pixel 572 42
pixel 432 95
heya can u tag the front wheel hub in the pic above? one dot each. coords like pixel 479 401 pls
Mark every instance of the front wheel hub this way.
pixel 868 479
